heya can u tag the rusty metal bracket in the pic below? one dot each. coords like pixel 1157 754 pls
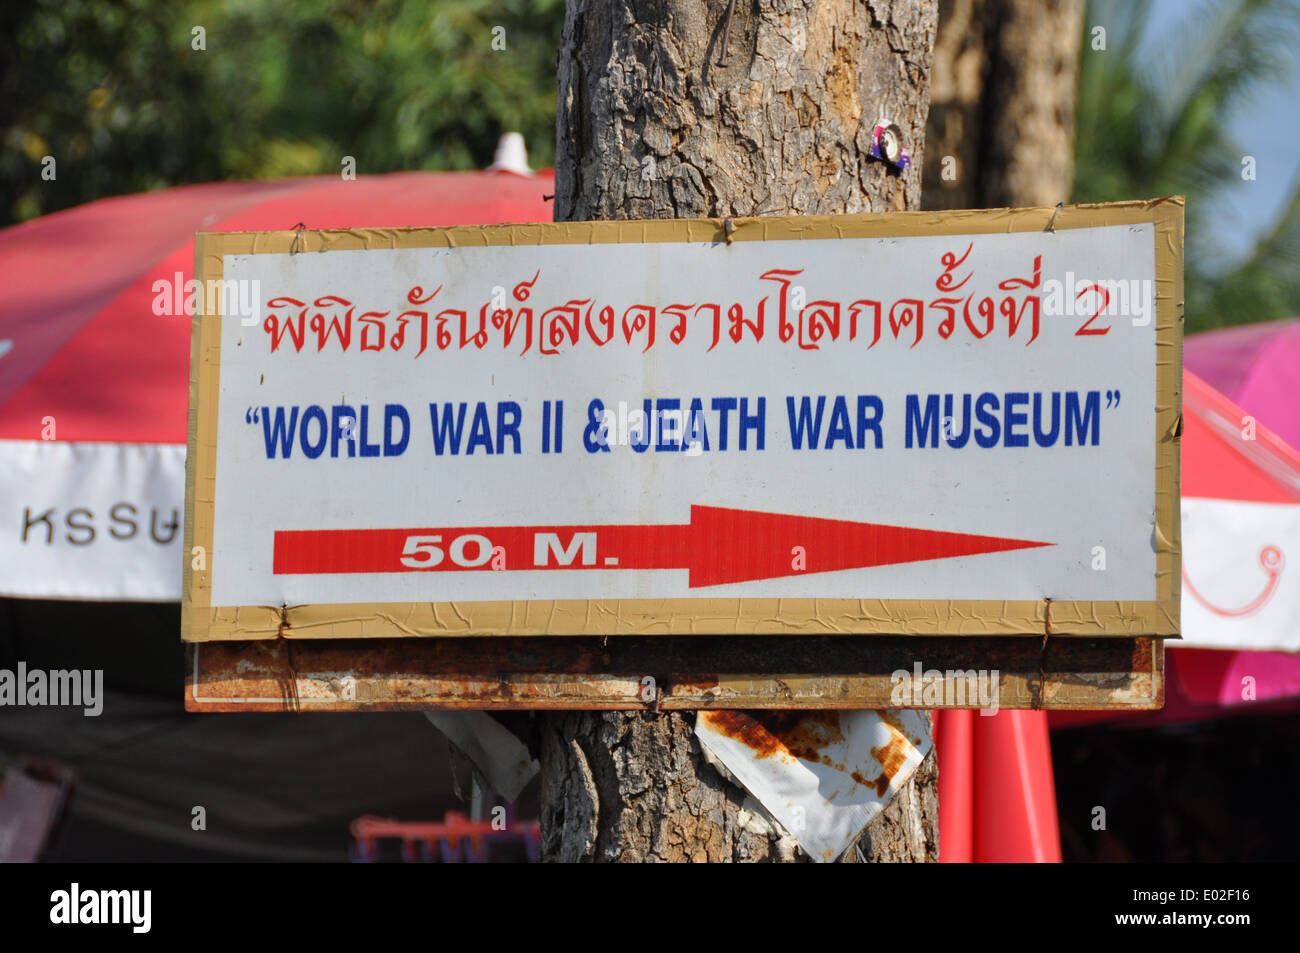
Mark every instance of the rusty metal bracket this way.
pixel 695 672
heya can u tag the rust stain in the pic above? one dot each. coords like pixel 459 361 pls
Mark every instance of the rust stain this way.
pixel 698 684
pixel 894 721
pixel 801 734
pixel 746 729
pixel 881 784
pixel 1142 656
pixel 891 757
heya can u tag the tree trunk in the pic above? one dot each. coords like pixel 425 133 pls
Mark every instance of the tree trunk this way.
pixel 668 111
pixel 1001 128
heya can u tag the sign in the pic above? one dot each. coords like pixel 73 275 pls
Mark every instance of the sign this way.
pixel 956 423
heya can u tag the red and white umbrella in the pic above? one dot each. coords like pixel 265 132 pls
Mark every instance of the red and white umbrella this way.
pixel 95 353
pixel 1241 522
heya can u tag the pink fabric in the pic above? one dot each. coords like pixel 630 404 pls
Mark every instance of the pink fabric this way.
pixel 1258 367
pixel 1230 679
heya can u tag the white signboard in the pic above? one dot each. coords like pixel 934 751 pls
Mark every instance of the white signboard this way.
pixel 841 426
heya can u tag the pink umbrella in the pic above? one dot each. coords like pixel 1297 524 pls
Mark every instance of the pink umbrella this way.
pixel 1257 367
pixel 95 355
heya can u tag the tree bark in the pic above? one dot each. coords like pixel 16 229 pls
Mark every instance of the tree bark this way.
pixel 1001 127
pixel 657 119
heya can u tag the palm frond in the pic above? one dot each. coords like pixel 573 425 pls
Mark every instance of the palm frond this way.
pixel 1154 119
pixel 1265 285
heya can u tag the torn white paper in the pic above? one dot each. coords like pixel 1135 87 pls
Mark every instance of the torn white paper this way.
pixel 824 775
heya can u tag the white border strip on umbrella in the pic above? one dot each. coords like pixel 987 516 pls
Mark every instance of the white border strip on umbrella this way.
pixel 92 521
pixel 1241 569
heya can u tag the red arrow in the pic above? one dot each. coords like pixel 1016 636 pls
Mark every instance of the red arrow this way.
pixel 718 546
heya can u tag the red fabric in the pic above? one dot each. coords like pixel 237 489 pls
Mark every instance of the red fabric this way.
pixel 76 287
pixel 1213 468
pixel 1217 463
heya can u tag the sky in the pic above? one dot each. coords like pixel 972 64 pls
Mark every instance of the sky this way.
pixel 1265 129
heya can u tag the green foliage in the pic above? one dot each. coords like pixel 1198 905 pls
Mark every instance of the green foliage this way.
pixel 115 91
pixel 1156 126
